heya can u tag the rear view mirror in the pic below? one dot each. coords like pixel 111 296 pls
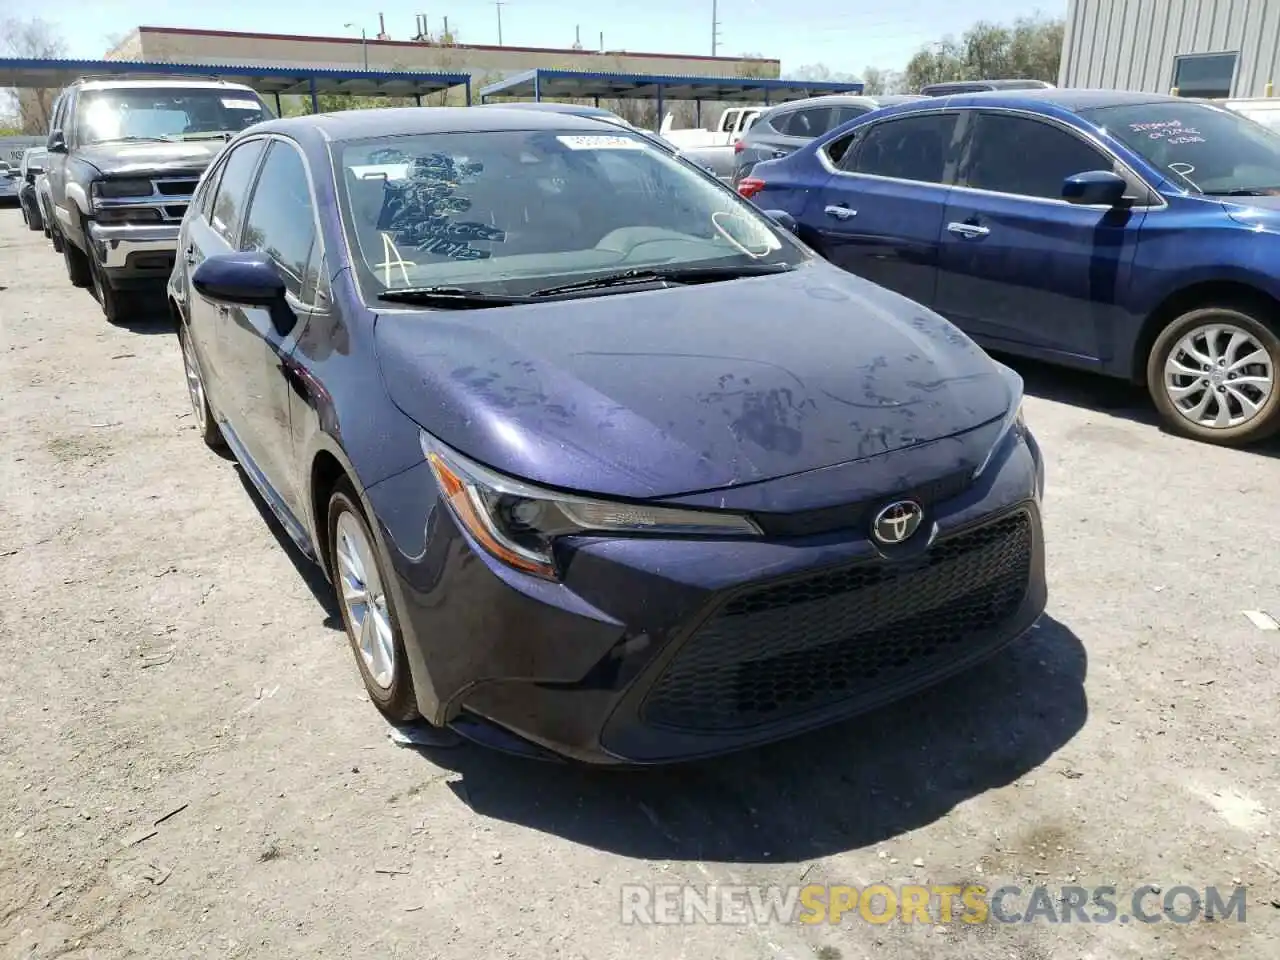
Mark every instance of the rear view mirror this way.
pixel 1095 188
pixel 246 279
pixel 57 142
pixel 782 219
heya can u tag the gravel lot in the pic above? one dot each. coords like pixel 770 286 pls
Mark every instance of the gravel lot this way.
pixel 161 650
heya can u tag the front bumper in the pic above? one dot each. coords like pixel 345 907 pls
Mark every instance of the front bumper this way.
pixel 656 651
pixel 135 252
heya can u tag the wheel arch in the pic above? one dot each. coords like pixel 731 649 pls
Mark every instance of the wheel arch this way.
pixel 1226 293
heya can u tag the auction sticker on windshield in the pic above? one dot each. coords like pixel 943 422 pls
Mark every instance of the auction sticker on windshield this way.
pixel 597 142
pixel 239 104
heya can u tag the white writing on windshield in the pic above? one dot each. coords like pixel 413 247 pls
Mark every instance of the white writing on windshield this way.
pixel 1169 131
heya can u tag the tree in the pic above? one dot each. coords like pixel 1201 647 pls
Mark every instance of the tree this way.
pixel 1029 48
pixel 34 40
pixel 877 82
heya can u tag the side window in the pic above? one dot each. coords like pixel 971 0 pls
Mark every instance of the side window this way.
pixel 281 219
pixel 907 148
pixel 1027 157
pixel 842 115
pixel 202 201
pixel 838 150
pixel 808 123
pixel 233 189
pixel 777 122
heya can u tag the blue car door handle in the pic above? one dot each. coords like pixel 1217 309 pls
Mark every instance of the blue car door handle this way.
pixel 968 230
pixel 840 213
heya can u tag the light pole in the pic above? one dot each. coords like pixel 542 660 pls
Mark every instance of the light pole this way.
pixel 500 4
pixel 364 42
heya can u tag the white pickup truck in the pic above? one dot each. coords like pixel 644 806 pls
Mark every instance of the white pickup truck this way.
pixel 734 122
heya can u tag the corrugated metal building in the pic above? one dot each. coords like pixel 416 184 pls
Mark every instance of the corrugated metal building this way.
pixel 1201 48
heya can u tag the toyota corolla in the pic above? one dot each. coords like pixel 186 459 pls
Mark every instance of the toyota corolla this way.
pixel 601 461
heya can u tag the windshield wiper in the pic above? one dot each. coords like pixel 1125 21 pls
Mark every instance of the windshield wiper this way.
pixel 135 140
pixel 668 274
pixel 458 298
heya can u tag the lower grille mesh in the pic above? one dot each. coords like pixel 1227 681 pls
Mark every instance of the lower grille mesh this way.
pixel 809 643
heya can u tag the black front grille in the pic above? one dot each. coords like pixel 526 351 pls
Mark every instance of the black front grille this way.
pixel 177 188
pixel 857 515
pixel 808 643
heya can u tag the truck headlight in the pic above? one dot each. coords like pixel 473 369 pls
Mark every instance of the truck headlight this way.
pixel 518 522
pixel 118 189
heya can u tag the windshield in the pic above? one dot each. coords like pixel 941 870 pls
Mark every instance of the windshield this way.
pixel 1268 116
pixel 1207 148
pixel 153 113
pixel 513 212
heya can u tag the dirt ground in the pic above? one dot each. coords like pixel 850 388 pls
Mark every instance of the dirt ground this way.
pixel 189 767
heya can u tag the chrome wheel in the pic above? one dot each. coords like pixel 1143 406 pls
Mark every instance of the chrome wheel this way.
pixel 1219 376
pixel 365 602
pixel 195 387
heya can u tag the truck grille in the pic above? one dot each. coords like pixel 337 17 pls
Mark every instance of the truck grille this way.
pixel 167 202
pixel 785 649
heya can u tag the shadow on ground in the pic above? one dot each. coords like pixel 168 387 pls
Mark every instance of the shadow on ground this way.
pixel 307 569
pixel 1092 391
pixel 150 315
pixel 846 787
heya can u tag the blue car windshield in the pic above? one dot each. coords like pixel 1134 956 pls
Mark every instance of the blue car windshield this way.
pixel 510 212
pixel 1200 146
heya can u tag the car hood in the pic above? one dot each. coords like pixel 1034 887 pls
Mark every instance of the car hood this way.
pixel 117 159
pixel 673 391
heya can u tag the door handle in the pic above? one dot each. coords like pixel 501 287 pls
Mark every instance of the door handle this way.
pixel 190 254
pixel 969 231
pixel 779 154
pixel 840 213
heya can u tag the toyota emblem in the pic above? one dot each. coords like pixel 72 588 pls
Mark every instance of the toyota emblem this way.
pixel 897 522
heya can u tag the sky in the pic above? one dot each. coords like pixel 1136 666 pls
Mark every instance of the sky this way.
pixel 844 36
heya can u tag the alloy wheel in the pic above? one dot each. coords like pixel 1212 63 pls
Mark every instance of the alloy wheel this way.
pixel 1219 376
pixel 360 587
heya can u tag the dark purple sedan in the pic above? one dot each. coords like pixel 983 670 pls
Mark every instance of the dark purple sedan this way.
pixel 601 461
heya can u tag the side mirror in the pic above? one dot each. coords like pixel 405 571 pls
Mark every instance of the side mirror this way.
pixel 57 142
pixel 247 279
pixel 34 170
pixel 1095 187
pixel 783 219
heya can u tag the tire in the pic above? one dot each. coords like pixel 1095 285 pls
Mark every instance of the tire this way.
pixel 391 692
pixel 1247 397
pixel 35 223
pixel 206 423
pixel 55 238
pixel 78 270
pixel 118 306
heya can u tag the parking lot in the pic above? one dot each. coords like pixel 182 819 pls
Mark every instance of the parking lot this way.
pixel 189 766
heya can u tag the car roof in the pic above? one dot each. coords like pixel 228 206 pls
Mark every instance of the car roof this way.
pixel 844 100
pixel 407 121
pixel 167 83
pixel 1068 99
pixel 577 109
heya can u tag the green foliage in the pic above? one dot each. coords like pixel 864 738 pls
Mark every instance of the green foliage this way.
pixel 1029 48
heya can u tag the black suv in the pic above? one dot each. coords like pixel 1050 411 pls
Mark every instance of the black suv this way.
pixel 124 156
pixel 789 126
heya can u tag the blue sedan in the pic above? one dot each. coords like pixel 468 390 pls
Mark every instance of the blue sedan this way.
pixel 1136 235
pixel 520 385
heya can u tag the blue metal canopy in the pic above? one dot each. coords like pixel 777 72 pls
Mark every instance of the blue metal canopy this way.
pixel 291 80
pixel 573 84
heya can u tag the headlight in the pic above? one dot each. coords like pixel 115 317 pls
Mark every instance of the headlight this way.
pixel 116 189
pixel 1012 421
pixel 518 522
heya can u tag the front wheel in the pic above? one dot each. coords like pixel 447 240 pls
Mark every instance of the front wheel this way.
pixel 117 305
pixel 1212 375
pixel 79 272
pixel 360 579
pixel 206 425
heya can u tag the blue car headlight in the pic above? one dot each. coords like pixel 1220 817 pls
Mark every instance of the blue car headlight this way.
pixel 518 522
